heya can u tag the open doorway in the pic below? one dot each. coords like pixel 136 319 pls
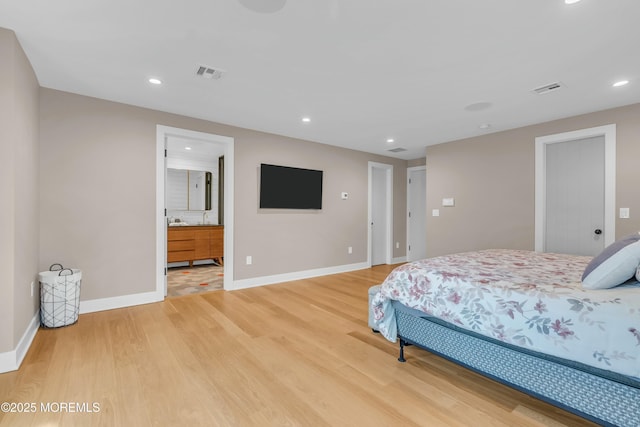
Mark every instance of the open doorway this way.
pixel 195 211
pixel 195 235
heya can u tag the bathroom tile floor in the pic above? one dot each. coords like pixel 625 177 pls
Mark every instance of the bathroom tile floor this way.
pixel 194 280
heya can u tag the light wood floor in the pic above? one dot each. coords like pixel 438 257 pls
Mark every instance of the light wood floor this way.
pixel 292 354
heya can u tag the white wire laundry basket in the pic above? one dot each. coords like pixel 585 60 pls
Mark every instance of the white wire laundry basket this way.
pixel 59 296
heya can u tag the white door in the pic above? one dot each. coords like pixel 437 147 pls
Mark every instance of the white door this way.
pixel 417 213
pixel 380 213
pixel 164 219
pixel 575 185
pixel 378 216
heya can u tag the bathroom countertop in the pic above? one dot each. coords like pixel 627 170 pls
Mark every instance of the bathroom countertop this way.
pixel 194 225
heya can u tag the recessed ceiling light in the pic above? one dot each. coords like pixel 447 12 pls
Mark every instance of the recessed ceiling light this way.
pixel 187 148
pixel 306 119
pixel 485 126
pixel 571 1
pixel 621 83
pixel 390 141
pixel 155 81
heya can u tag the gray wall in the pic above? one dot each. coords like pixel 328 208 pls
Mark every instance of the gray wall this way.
pixel 18 191
pixel 492 180
pixel 280 241
pixel 98 197
pixel 417 162
pixel 83 192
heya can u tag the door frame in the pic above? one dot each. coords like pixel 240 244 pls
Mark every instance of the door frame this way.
pixel 409 170
pixel 389 210
pixel 162 133
pixel 609 133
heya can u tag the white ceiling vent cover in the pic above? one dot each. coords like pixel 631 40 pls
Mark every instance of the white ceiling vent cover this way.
pixel 552 87
pixel 209 73
pixel 397 150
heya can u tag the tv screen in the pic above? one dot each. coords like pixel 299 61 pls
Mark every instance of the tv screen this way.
pixel 283 187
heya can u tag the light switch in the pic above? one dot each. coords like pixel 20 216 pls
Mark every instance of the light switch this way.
pixel 449 201
pixel 624 212
pixel 435 212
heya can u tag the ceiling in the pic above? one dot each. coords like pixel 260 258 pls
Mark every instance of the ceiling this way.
pixel 418 72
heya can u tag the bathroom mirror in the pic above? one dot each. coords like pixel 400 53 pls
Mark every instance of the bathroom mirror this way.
pixel 188 190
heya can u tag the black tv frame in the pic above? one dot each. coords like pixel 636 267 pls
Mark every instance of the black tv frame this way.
pixel 286 187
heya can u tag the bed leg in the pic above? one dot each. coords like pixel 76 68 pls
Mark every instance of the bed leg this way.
pixel 375 331
pixel 401 358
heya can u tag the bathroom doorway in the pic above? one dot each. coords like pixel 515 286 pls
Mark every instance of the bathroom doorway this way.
pixel 195 194
pixel 185 280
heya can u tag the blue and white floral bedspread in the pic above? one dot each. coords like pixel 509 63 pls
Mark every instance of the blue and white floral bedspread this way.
pixel 529 299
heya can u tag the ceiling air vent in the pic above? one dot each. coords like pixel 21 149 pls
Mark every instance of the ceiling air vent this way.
pixel 209 73
pixel 548 88
pixel 397 150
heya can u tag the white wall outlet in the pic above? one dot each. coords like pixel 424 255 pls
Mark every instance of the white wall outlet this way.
pixel 350 250
pixel 435 212
pixel 344 196
pixel 624 212
pixel 249 260
pixel 32 287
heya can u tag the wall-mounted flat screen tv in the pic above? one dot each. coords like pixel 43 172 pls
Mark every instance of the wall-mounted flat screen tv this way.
pixel 283 187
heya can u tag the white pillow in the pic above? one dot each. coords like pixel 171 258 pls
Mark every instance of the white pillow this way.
pixel 616 264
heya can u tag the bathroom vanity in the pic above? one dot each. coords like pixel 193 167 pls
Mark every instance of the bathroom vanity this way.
pixel 195 242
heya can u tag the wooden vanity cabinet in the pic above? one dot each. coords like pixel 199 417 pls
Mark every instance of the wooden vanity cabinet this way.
pixel 195 242
pixel 216 243
pixel 180 244
pixel 202 244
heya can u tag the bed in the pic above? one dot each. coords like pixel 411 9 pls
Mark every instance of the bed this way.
pixel 525 319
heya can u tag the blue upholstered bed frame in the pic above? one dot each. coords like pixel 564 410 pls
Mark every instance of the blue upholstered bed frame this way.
pixel 610 400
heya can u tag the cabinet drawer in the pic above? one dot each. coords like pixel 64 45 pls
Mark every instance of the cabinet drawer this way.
pixel 178 256
pixel 183 234
pixel 181 245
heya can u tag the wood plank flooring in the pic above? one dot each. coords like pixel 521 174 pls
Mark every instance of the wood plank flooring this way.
pixel 292 354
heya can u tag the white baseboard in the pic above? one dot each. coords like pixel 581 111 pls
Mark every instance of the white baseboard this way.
pixel 399 260
pixel 298 275
pixel 111 303
pixel 11 360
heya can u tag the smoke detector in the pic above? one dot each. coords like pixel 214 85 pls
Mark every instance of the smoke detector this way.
pixel 552 87
pixel 209 72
